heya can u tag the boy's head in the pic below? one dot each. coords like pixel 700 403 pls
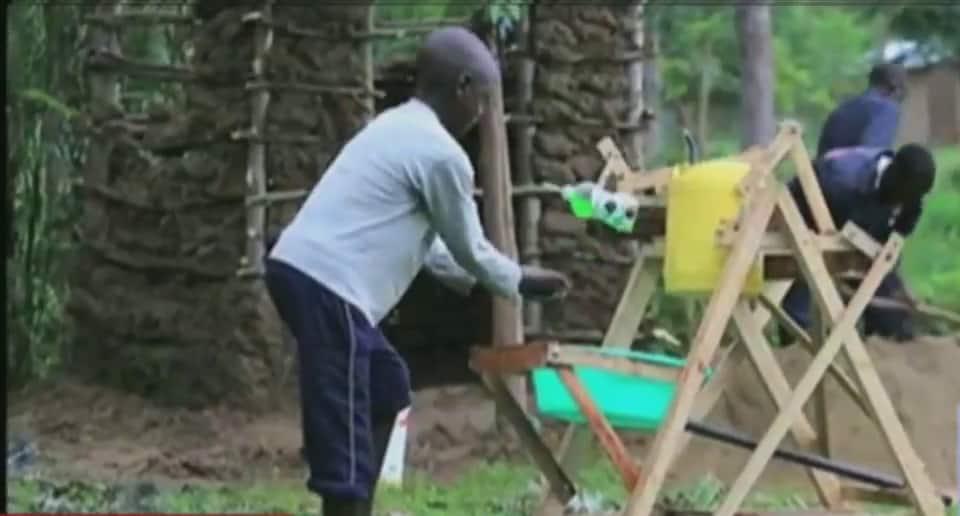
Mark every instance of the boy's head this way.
pixel 909 177
pixel 455 73
pixel 890 80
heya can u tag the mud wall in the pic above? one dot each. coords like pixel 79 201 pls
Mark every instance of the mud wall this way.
pixel 573 83
pixel 156 303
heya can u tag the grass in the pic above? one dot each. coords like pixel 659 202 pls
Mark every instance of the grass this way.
pixel 930 264
pixel 489 490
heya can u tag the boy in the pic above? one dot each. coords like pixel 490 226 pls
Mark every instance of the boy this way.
pixel 870 119
pixel 397 198
pixel 882 192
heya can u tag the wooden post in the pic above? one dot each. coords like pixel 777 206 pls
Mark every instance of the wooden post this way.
pixel 634 71
pixel 494 171
pixel 369 65
pixel 104 91
pixel 256 157
pixel 530 207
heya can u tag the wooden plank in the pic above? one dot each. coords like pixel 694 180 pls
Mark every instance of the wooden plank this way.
pixel 805 387
pixel 608 437
pixel 771 375
pixel 861 240
pixel 709 334
pixel 637 183
pixel 615 165
pixel 762 164
pixel 825 292
pixel 773 291
pixel 559 484
pixel 810 185
pixel 777 242
pixel 724 369
pixel 506 360
pixel 559 355
pixel 727 365
pixel 624 325
pixel 821 407
pixel 839 373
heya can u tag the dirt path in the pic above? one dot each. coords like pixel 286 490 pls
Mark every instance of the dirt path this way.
pixel 89 431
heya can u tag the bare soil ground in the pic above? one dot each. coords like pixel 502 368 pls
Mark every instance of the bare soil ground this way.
pixel 93 432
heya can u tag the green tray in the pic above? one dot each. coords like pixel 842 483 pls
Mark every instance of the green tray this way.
pixel 627 401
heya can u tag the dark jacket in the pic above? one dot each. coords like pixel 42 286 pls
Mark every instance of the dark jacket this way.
pixel 868 120
pixel 848 179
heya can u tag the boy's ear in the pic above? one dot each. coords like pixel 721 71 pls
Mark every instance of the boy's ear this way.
pixel 464 82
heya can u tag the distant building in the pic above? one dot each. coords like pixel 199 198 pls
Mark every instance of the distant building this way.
pixel 931 111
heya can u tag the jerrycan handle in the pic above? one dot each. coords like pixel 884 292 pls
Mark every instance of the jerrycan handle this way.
pixel 693 152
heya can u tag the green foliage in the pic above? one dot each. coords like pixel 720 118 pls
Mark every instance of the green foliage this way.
pixel 819 63
pixel 934 25
pixel 930 261
pixel 43 154
pixel 496 489
pixel 697 40
pixel 405 46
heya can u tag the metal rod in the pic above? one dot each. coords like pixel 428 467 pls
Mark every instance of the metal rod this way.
pixel 811 460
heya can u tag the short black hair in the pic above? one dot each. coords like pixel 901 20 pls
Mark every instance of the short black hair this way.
pixel 448 54
pixel 889 76
pixel 914 168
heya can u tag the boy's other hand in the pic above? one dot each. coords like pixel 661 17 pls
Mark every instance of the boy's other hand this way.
pixel 539 283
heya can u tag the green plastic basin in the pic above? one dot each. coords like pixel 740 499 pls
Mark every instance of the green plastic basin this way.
pixel 627 401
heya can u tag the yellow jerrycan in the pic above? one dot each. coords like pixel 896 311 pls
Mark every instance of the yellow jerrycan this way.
pixel 700 197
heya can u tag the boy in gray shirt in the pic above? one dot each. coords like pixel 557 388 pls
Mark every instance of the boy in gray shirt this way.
pixel 398 197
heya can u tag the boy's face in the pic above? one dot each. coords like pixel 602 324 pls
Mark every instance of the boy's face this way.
pixel 470 101
pixel 896 188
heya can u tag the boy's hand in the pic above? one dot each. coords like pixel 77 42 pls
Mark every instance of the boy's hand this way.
pixel 540 283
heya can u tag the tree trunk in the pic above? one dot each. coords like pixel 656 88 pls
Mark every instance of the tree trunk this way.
pixel 755 37
pixel 635 33
pixel 651 88
pixel 707 64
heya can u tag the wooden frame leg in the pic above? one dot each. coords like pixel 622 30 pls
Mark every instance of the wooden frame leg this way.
pixel 728 364
pixel 601 428
pixel 560 484
pixel 825 292
pixel 804 389
pixel 844 330
pixel 839 372
pixel 624 325
pixel 828 486
pixel 715 319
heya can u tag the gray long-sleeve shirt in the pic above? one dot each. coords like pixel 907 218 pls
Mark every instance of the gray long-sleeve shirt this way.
pixel 397 198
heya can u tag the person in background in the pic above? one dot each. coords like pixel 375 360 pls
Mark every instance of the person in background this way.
pixel 398 197
pixel 870 119
pixel 882 192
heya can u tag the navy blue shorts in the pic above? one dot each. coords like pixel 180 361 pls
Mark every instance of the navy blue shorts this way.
pixel 350 379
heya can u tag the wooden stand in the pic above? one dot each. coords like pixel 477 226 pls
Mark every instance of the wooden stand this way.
pixel 770 226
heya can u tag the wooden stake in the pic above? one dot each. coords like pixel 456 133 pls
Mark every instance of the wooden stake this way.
pixel 256 155
pixel 494 171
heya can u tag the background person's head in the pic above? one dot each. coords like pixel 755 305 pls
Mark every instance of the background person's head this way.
pixel 890 80
pixel 455 74
pixel 909 177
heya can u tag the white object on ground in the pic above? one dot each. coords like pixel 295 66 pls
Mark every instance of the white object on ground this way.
pixel 395 457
